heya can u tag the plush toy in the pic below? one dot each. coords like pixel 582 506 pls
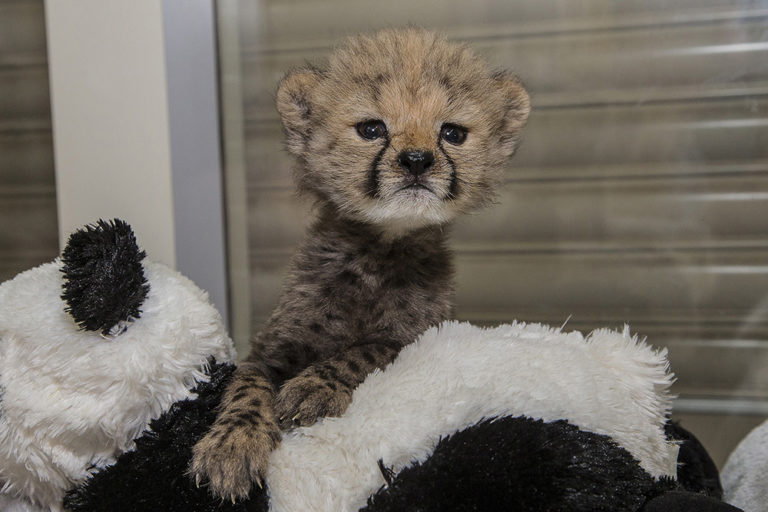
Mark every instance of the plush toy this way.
pixel 102 345
pixel 464 419
pixel 745 475
pixel 92 347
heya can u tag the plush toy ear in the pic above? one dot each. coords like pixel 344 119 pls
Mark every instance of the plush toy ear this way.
pixel 294 102
pixel 517 106
pixel 104 281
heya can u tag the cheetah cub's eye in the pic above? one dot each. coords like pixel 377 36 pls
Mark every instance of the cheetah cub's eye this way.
pixel 371 129
pixel 453 133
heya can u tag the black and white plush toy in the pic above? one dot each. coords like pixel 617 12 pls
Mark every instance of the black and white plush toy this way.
pixel 93 346
pixel 520 417
pixel 745 474
pixel 95 350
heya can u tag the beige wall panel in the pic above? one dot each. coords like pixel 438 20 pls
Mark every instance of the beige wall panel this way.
pixel 282 24
pixel 635 66
pixel 22 32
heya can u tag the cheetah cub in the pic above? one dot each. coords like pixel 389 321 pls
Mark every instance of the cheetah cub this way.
pixel 398 134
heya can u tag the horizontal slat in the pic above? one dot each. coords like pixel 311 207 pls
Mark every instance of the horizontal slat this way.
pixel 24 94
pixel 723 406
pixel 22 33
pixel 661 214
pixel 719 433
pixel 631 67
pixel 14 262
pixel 720 289
pixel 721 369
pixel 289 25
pixel 637 171
pixel 28 225
pixel 674 286
pixel 730 130
pixel 26 160
pixel 681 135
pixel 654 64
pixel 277 220
pixel 270 166
pixel 716 213
pixel 27 125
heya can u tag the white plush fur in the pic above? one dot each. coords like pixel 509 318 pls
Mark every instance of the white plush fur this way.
pixel 745 475
pixel 455 375
pixel 73 400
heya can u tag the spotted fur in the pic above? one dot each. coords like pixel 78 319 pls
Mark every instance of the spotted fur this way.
pixel 374 271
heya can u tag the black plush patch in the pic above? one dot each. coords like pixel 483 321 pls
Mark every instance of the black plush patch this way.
pixel 696 470
pixel 526 465
pixel 686 501
pixel 154 475
pixel 104 281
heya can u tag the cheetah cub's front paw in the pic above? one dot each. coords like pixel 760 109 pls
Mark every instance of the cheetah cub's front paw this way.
pixel 306 398
pixel 233 458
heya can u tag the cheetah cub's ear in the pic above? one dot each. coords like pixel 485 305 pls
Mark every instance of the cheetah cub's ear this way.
pixel 516 108
pixel 294 103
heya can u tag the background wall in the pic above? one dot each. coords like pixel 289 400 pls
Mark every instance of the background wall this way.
pixel 28 234
pixel 639 194
pixel 135 118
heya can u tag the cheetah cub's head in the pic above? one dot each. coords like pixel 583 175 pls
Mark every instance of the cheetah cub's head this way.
pixel 402 129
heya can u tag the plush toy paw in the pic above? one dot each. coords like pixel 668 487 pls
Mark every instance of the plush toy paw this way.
pixel 232 458
pixel 306 398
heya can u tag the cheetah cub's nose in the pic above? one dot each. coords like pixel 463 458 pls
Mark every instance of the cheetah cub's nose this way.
pixel 416 162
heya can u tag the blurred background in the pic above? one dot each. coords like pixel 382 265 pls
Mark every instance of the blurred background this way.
pixel 639 194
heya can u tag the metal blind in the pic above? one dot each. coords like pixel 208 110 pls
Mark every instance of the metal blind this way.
pixel 639 194
pixel 28 229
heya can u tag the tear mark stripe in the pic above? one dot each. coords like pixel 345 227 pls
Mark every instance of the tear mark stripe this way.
pixel 453 188
pixel 372 189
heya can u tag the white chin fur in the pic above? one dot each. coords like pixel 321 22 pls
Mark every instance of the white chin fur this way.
pixel 408 210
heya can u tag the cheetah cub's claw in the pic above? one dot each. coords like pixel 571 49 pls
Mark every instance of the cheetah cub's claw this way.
pixel 232 460
pixel 304 399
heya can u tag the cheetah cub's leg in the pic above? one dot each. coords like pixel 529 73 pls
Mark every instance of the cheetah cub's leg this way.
pixel 235 452
pixel 325 388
